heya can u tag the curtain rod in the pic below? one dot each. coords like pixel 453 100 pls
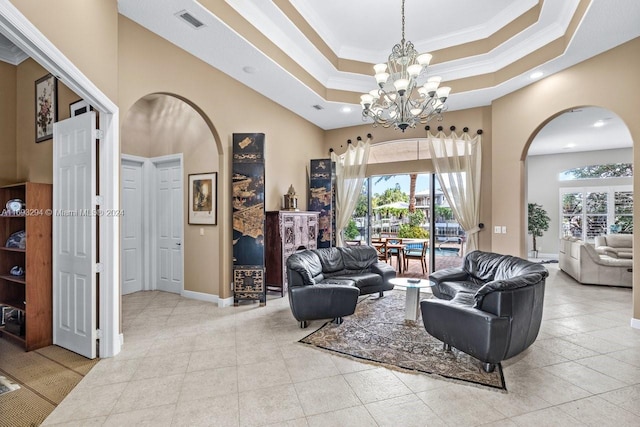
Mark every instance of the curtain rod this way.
pixel 452 128
pixel 427 128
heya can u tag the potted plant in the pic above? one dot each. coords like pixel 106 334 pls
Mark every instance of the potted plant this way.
pixel 538 224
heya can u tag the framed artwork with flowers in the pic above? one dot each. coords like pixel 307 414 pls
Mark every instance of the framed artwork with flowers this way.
pixel 46 107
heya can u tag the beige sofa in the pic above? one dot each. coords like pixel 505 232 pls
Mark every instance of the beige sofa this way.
pixel 581 261
pixel 615 245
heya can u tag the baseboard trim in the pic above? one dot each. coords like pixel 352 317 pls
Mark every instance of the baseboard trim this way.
pixel 225 302
pixel 201 296
pixel 635 323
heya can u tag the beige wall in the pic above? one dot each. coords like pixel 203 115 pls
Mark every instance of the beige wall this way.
pixel 149 64
pixel 160 125
pixel 8 74
pixel 34 162
pixel 474 119
pixel 608 80
pixel 86 32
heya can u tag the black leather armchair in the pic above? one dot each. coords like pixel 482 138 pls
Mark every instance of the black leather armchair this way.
pixel 491 308
pixel 325 283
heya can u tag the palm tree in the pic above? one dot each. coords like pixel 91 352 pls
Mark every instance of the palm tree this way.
pixel 412 192
pixel 412 189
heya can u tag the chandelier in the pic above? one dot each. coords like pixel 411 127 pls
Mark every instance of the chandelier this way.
pixel 403 97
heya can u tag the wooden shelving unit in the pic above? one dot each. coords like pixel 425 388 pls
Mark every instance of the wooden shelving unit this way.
pixel 31 293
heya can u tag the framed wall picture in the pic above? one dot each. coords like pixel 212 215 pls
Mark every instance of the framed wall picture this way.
pixel 46 107
pixel 79 107
pixel 203 193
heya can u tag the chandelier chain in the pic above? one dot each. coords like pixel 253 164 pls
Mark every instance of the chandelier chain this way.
pixel 402 42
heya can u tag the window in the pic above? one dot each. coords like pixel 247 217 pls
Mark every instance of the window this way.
pixel 589 212
pixel 611 170
pixel 623 212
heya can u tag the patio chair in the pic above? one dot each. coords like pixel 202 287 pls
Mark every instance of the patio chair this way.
pixel 381 249
pixel 417 250
pixel 394 251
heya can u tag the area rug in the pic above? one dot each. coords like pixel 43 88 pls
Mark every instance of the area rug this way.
pixel 45 377
pixel 378 333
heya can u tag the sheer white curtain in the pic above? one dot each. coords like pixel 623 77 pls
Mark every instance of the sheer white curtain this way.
pixel 350 174
pixel 457 161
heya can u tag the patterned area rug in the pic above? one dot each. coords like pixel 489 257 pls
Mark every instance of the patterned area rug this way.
pixel 377 332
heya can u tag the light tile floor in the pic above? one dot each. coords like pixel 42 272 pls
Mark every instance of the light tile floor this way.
pixel 187 362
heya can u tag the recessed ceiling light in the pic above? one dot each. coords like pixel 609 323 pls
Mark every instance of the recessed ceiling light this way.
pixel 536 74
pixel 249 69
pixel 598 124
pixel 569 146
pixel 346 109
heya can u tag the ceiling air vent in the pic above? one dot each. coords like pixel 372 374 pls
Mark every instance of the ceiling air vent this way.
pixel 318 107
pixel 190 19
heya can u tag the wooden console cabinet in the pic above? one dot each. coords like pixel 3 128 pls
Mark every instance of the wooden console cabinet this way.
pixel 31 293
pixel 286 232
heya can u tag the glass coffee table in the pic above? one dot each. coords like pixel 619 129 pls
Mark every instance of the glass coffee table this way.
pixel 412 303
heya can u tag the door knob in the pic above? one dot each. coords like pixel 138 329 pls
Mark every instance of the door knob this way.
pixel 178 243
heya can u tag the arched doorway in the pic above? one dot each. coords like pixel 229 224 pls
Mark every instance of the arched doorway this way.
pixel 581 137
pixel 163 134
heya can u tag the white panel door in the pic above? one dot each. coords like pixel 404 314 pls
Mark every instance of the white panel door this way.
pixel 169 203
pixel 131 227
pixel 74 234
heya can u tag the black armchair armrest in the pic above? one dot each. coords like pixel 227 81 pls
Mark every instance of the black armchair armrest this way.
pixel 385 270
pixel 448 275
pixel 478 333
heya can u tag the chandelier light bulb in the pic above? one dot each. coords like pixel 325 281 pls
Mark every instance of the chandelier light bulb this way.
pixel 380 68
pixel 424 59
pixel 430 88
pixel 414 70
pixel 403 99
pixel 443 93
pixel 381 78
pixel 366 99
pixel 401 85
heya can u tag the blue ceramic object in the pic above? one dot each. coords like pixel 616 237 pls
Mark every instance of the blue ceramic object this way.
pixel 16 271
pixel 17 240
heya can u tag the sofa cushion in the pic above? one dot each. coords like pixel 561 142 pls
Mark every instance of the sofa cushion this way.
pixel 330 259
pixel 362 280
pixel 307 264
pixel 482 265
pixel 358 258
pixel 338 281
pixel 617 240
pixel 512 267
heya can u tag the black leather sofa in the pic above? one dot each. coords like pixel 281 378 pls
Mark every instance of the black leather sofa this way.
pixel 325 283
pixel 490 308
